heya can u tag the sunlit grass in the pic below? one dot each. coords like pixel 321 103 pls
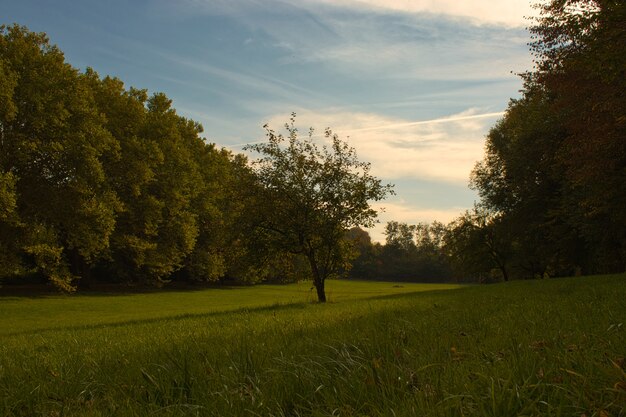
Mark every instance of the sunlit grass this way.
pixel 29 314
pixel 540 348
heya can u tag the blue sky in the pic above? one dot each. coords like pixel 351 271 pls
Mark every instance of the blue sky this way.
pixel 413 85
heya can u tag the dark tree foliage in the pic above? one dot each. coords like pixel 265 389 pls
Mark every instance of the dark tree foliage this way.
pixel 366 264
pixel 412 253
pixel 555 166
pixel 479 246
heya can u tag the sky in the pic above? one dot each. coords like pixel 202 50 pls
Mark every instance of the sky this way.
pixel 413 85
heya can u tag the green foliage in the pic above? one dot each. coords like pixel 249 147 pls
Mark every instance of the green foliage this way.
pixel 479 245
pixel 473 351
pixel 10 261
pixel 8 199
pixel 52 145
pixel 94 176
pixel 310 196
pixel 48 259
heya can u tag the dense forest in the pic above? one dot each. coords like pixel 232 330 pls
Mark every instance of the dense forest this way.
pixel 104 183
pixel 101 181
pixel 553 180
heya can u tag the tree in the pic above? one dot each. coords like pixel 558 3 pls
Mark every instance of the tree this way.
pixel 478 242
pixel 399 236
pixel 10 263
pixel 554 165
pixel 365 265
pixel 312 195
pixel 432 261
pixel 52 144
pixel 580 53
pixel 521 181
pixel 157 180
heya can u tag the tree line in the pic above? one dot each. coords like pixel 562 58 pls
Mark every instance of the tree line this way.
pixel 553 180
pixel 96 178
pixel 103 182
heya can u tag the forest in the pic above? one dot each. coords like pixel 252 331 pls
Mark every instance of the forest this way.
pixel 100 182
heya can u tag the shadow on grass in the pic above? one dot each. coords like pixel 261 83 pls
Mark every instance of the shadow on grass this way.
pixel 243 310
pixel 38 291
pixel 271 307
pixel 448 291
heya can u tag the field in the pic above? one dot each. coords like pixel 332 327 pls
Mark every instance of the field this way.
pixel 535 348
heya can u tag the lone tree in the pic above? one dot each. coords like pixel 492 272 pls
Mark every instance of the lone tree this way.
pixel 311 195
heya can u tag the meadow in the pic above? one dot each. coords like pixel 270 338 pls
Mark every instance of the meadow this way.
pixel 528 348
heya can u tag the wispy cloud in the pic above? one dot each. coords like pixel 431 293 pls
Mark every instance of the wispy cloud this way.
pixel 442 149
pixel 503 12
pixel 407 47
pixel 248 82
pixel 455 118
pixel 421 39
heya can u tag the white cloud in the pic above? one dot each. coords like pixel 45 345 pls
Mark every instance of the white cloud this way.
pixel 503 12
pixel 443 149
pixel 509 13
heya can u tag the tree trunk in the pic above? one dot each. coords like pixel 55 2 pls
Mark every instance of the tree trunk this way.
pixel 318 280
pixel 505 273
pixel 319 286
pixel 80 268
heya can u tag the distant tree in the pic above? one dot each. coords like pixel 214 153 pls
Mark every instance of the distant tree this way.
pixel 433 263
pixel 414 253
pixel 312 195
pixel 400 236
pixel 429 237
pixel 477 243
pixel 365 265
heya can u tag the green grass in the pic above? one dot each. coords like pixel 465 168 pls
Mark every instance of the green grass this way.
pixel 37 314
pixel 537 348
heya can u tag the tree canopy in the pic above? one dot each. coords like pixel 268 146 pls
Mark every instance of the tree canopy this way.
pixel 98 178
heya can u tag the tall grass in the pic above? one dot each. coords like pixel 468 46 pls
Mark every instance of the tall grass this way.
pixel 553 347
